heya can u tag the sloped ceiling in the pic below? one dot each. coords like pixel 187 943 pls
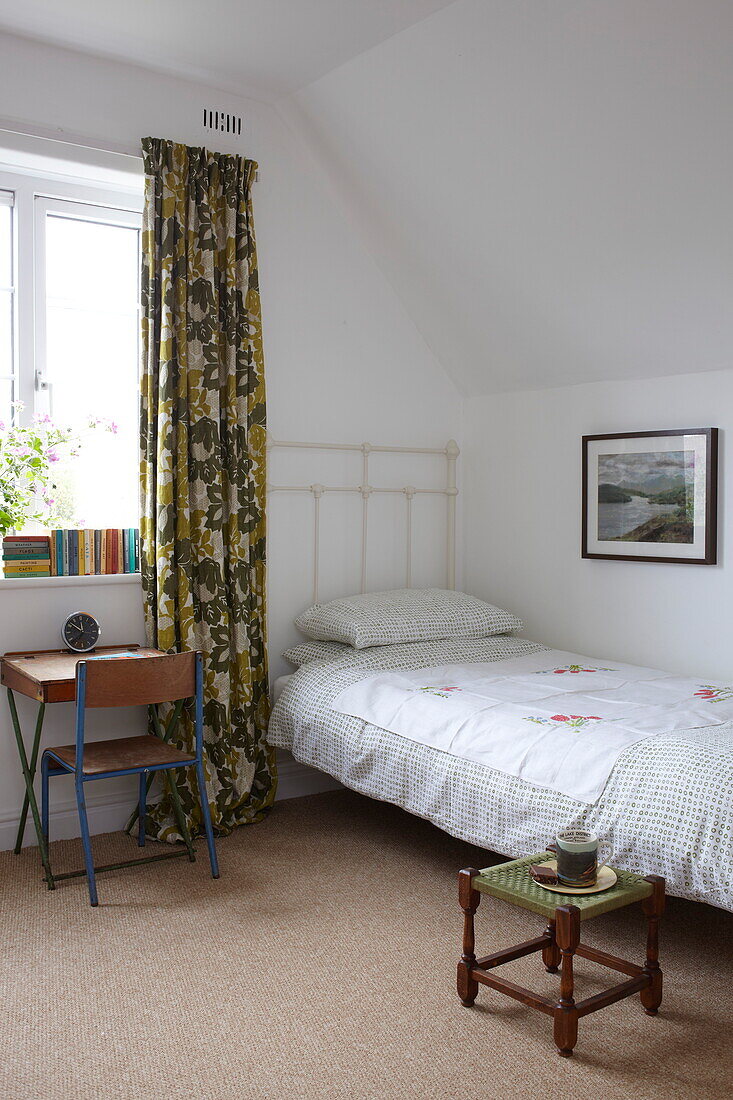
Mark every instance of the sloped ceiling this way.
pixel 548 184
pixel 245 46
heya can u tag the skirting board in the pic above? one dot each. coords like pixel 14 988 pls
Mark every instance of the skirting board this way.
pixel 295 781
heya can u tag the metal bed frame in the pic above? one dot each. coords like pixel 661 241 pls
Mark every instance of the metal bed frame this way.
pixel 366 490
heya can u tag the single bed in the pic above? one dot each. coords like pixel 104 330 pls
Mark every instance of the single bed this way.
pixel 667 807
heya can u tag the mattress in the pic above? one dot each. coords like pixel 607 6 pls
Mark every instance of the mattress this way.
pixel 666 808
pixel 279 686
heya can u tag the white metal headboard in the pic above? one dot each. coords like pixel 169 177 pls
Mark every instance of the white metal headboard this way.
pixel 365 489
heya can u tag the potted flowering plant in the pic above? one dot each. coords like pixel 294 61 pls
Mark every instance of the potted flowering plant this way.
pixel 27 459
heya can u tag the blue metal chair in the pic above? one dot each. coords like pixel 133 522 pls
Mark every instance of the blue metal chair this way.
pixel 125 682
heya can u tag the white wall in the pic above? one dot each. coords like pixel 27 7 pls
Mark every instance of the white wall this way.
pixel 546 185
pixel 522 481
pixel 343 360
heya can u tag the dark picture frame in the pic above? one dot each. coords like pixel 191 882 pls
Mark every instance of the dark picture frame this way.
pixel 697 453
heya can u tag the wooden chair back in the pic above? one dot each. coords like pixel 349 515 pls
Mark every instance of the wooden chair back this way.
pixel 136 681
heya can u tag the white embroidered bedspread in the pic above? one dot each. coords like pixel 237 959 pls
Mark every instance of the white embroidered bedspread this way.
pixel 666 809
pixel 552 719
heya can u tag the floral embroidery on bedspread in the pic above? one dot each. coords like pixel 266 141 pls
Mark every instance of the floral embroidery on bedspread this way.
pixel 572 721
pixel 714 694
pixel 443 692
pixel 572 668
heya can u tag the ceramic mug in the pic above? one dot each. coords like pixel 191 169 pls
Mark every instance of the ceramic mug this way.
pixel 577 857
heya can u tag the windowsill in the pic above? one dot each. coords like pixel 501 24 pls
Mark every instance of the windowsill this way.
pixel 69 582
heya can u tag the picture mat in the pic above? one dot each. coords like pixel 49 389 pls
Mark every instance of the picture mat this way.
pixel 661 445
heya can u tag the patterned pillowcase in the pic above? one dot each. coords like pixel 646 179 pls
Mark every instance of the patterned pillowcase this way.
pixel 313 651
pixel 405 615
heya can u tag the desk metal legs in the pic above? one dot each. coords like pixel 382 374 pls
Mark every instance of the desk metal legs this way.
pixel 29 773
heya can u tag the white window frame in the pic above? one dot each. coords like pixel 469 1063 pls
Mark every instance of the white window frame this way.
pixel 7 199
pixel 34 196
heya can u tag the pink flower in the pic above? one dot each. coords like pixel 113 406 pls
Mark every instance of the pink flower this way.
pixel 113 427
pixel 52 456
pixel 559 718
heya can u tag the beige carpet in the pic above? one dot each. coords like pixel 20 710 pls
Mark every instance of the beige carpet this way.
pixel 295 975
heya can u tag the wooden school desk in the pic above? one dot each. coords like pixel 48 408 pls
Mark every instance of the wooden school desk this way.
pixel 48 676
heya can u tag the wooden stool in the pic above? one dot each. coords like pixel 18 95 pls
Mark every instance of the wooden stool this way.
pixel 559 942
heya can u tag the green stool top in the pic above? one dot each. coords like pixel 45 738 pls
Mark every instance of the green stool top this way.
pixel 512 882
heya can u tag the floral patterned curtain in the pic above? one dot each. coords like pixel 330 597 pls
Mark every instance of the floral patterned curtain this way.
pixel 202 435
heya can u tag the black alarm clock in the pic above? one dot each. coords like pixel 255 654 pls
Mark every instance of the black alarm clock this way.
pixel 80 632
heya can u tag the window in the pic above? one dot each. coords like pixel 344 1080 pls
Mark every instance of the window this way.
pixel 69 336
pixel 6 305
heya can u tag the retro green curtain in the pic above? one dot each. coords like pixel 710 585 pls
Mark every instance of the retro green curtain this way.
pixel 203 448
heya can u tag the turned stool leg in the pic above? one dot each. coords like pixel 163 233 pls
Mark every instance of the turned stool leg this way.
pixel 468 899
pixel 653 907
pixel 567 928
pixel 551 954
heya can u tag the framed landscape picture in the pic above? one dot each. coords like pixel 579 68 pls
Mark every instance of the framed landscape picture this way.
pixel 651 496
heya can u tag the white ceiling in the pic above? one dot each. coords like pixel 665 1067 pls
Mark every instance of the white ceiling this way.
pixel 267 46
pixel 547 184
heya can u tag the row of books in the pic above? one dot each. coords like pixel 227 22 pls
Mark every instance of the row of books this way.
pixel 72 553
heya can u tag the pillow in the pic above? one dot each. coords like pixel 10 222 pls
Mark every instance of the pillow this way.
pixel 313 651
pixel 405 615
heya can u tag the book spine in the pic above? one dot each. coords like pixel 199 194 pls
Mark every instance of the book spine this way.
pixel 113 556
pixel 40 566
pixel 59 538
pixel 23 576
pixel 138 559
pixel 80 541
pixel 26 540
pixel 105 562
pixel 52 553
pixel 33 567
pixel 23 548
pixel 74 552
pixel 97 552
pixel 131 541
pixel 23 555
pixel 88 552
pixel 121 551
pixel 125 550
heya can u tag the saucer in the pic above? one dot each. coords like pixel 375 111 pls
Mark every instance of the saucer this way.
pixel 606 878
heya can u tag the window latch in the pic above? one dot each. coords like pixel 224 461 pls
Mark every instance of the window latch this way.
pixel 42 385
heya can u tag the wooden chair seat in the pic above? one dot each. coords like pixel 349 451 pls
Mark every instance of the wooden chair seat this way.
pixel 124 753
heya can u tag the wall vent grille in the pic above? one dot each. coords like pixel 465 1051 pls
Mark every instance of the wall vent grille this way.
pixel 222 121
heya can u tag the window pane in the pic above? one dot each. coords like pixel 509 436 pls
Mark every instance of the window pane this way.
pixel 6 250
pixel 6 313
pixel 6 397
pixel 92 334
pixel 6 354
